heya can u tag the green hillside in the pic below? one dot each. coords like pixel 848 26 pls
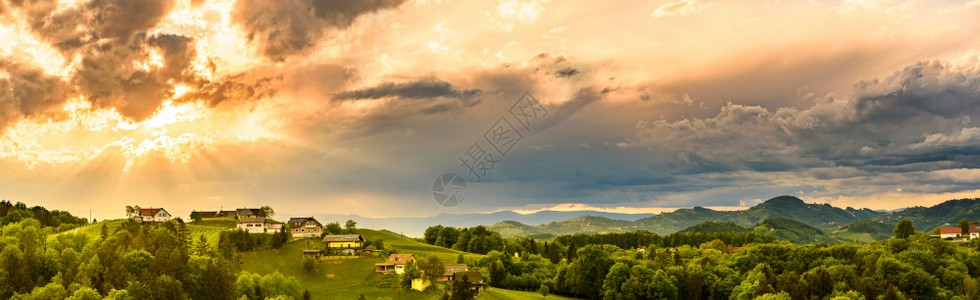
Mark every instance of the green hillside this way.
pixel 710 226
pixel 583 224
pixel 349 278
pixel 924 218
pixel 780 228
pixel 791 230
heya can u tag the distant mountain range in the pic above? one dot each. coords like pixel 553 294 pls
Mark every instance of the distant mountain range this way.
pixel 416 226
pixel 794 216
pixel 787 207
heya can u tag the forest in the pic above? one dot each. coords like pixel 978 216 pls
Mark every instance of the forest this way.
pixel 735 265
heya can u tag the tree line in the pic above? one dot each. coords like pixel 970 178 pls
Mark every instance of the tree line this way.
pixel 477 239
pixel 132 261
pixel 59 220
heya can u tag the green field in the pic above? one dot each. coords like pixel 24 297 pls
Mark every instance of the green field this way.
pixel 495 293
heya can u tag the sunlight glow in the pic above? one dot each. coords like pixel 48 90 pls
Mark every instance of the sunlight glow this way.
pixel 173 133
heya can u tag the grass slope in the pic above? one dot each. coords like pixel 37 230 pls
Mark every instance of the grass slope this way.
pixel 210 229
pixel 349 278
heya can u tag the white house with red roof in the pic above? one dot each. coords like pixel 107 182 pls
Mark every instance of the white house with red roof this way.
pixel 151 215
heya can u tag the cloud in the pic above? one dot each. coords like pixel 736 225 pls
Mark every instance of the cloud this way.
pixel 74 27
pixel 121 19
pixel 288 27
pixel 680 8
pixel 422 89
pixel 26 91
pixel 108 77
pixel 120 65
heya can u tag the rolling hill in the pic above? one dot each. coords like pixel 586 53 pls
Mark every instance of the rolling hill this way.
pixel 780 228
pixel 822 216
pixel 924 218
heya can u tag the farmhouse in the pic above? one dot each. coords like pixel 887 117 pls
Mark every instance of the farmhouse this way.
pixel 252 224
pixel 344 243
pixel 395 263
pixel 974 231
pixel 453 269
pixel 151 215
pixel 305 227
pixel 950 232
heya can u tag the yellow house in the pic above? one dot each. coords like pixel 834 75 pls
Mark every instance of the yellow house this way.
pixel 395 263
pixel 344 243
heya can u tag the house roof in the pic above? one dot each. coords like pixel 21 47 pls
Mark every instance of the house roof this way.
pixel 243 220
pixel 399 259
pixel 343 238
pixel 471 276
pixel 974 228
pixel 248 211
pixel 949 230
pixel 149 212
pixel 208 214
pixel 227 213
pixel 299 221
pixel 455 268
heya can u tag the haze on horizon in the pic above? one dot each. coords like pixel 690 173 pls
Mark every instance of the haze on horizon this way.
pixel 355 107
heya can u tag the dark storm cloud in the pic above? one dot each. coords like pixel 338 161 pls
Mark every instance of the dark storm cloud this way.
pixel 927 89
pixel 287 27
pixel 422 89
pixel 560 113
pixel 566 72
pixel 26 91
pixel 924 113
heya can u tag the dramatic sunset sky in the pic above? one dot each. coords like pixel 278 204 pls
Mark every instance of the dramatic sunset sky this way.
pixel 356 106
